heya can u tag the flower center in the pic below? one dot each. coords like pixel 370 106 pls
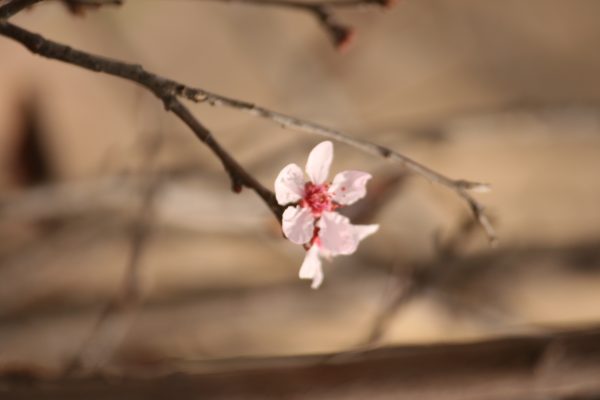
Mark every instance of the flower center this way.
pixel 317 198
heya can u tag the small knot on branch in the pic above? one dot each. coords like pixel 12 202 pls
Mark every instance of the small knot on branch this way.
pixel 473 186
pixel 200 97
pixel 343 37
pixel 237 187
pixel 79 7
pixel 169 100
pixel 385 3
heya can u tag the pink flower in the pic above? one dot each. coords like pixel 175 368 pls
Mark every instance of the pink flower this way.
pixel 311 220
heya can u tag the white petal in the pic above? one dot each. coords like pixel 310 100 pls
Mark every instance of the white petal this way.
pixel 311 267
pixel 363 231
pixel 319 161
pixel 337 234
pixel 349 186
pixel 318 278
pixel 298 224
pixel 289 184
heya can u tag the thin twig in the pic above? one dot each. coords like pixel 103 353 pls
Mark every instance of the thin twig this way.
pixel 97 3
pixel 311 4
pixel 14 7
pixel 340 34
pixel 129 297
pixel 552 365
pixel 168 90
pixel 78 7
pixel 419 278
pixel 144 221
pixel 161 87
pixel 459 186
pixel 405 292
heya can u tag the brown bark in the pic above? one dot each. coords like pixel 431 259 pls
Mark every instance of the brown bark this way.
pixel 560 366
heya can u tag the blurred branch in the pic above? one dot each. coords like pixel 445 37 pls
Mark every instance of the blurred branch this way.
pixel 130 294
pixel 161 87
pixel 143 221
pixel 178 204
pixel 481 280
pixel 340 34
pixel 403 292
pixel 79 6
pixel 13 7
pixel 75 6
pixel 313 4
pixel 168 90
pixel 418 280
pixel 552 366
pixel 382 190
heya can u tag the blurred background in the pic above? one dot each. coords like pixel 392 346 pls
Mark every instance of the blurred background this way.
pixel 122 247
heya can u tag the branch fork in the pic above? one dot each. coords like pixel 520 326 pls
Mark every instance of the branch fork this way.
pixel 170 91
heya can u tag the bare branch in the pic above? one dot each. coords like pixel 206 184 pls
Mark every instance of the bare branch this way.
pixel 130 295
pixel 96 3
pixel 548 366
pixel 459 186
pixel 168 90
pixel 118 195
pixel 79 7
pixel 420 277
pixel 14 7
pixel 163 88
pixel 75 6
pixel 340 34
pixel 333 4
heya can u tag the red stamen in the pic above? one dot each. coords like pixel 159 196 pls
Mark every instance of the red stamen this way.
pixel 317 198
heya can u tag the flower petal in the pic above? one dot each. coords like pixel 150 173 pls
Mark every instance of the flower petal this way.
pixel 311 267
pixel 363 231
pixel 298 224
pixel 319 161
pixel 289 184
pixel 349 186
pixel 337 234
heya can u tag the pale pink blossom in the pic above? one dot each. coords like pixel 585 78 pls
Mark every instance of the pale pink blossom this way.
pixel 310 218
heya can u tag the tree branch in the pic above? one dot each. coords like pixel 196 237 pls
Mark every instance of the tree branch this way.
pixel 79 7
pixel 340 34
pixel 550 366
pixel 304 5
pixel 130 296
pixel 168 90
pixel 460 186
pixel 14 7
pixel 161 87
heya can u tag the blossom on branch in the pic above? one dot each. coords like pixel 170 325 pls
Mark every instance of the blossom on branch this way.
pixel 311 219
